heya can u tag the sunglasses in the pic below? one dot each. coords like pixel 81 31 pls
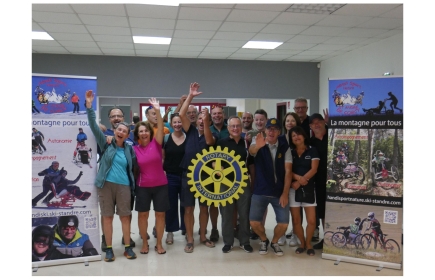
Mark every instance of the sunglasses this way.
pixel 216 106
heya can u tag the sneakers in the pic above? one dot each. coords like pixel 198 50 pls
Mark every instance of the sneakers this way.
pixel 227 248
pixel 109 255
pixel 103 243
pixel 294 240
pixel 315 235
pixel 214 236
pixel 128 253
pixel 248 248
pixel 289 235
pixel 276 249
pixel 154 232
pixel 318 246
pixel 253 236
pixel 263 247
pixel 281 241
pixel 170 238
pixel 132 243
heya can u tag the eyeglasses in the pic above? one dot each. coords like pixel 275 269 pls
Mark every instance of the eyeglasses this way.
pixel 235 126
pixel 116 116
pixel 272 129
pixel 300 108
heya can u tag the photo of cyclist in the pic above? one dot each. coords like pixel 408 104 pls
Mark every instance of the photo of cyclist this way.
pixel 354 229
pixel 374 225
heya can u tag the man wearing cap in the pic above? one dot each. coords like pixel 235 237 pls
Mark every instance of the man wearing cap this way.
pixel 49 174
pixel 69 240
pixel 273 169
pixel 301 108
pixel 320 141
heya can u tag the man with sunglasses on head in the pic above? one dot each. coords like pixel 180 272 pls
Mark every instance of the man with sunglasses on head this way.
pixel 151 115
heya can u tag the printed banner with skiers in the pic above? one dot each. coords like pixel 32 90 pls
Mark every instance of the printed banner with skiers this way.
pixel 364 208
pixel 65 215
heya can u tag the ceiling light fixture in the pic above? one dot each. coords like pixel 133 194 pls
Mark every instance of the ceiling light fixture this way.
pixel 39 35
pixel 151 40
pixel 261 45
pixel 325 9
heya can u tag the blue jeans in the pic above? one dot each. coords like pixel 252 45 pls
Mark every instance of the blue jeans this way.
pixel 172 217
pixel 259 205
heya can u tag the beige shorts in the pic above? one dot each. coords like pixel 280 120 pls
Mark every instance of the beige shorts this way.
pixel 111 195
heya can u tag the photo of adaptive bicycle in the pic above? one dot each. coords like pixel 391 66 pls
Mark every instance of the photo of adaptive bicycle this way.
pixel 366 161
pixel 363 231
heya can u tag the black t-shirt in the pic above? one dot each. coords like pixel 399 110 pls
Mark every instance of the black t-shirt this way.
pixel 322 149
pixel 240 149
pixel 173 155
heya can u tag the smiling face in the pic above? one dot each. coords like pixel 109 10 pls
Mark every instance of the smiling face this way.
pixel 68 232
pixel 116 116
pixel 121 133
pixel 217 116
pixel 260 121
pixel 298 139
pixel 247 121
pixel 235 128
pixel 144 135
pixel 192 114
pixel 40 245
pixel 176 123
pixel 301 108
pixel 290 122
pixel 318 126
pixel 272 134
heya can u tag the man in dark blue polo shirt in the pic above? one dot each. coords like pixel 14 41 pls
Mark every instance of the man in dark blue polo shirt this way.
pixel 197 138
pixel 273 173
pixel 235 142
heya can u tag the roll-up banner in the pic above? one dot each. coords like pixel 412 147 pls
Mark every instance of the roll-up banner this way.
pixel 364 205
pixel 65 216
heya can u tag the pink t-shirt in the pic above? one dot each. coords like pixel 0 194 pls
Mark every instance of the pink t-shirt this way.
pixel 149 159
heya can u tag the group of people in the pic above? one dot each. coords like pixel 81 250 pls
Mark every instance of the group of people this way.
pixel 150 165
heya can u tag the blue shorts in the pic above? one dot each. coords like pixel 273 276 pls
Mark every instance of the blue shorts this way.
pixel 259 205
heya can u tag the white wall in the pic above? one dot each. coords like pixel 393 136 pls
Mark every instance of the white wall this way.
pixel 370 61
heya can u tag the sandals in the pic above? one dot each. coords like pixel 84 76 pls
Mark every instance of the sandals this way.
pixel 208 243
pixel 188 248
pixel 299 250
pixel 311 252
pixel 144 253
pixel 157 250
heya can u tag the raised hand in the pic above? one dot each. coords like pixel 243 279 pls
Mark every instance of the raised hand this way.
pixel 260 140
pixel 194 89
pixel 206 116
pixel 326 114
pixel 89 98
pixel 155 103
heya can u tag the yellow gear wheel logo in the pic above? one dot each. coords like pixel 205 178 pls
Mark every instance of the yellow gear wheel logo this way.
pixel 217 176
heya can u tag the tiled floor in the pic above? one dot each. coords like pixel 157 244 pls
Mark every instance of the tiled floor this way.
pixel 211 261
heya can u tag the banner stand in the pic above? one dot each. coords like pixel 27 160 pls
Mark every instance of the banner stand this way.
pixel 85 260
pixel 361 261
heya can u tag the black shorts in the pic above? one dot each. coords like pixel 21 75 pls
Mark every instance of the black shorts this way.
pixel 187 198
pixel 158 195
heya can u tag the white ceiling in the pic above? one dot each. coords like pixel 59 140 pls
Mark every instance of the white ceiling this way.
pixel 212 31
